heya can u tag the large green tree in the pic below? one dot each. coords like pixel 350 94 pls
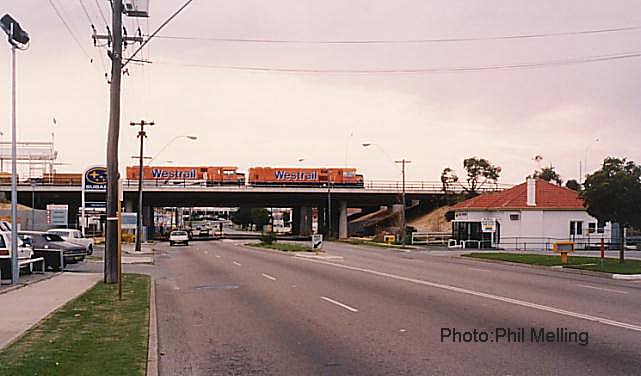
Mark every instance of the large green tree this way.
pixel 242 216
pixel 613 194
pixel 260 217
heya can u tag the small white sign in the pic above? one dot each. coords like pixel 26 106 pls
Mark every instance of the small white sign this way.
pixel 317 241
pixel 57 215
pixel 460 215
pixel 488 224
pixel 129 221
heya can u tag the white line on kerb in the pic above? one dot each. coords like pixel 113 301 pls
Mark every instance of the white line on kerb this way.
pixel 522 303
pixel 352 309
pixel 603 289
pixel 269 277
pixel 237 263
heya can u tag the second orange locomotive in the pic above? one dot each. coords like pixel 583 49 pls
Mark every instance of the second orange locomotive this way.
pixel 304 176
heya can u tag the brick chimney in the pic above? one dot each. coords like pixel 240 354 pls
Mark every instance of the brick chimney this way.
pixel 531 192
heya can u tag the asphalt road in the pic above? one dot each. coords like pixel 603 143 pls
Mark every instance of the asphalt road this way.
pixel 224 309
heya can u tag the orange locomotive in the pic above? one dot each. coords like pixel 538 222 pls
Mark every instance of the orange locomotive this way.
pixel 319 177
pixel 211 175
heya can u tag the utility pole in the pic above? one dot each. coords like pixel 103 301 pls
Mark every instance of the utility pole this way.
pixel 111 267
pixel 142 135
pixel 403 162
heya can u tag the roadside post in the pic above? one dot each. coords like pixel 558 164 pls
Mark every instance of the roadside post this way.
pixel 317 242
pixel 602 248
pixel 120 198
pixel 563 247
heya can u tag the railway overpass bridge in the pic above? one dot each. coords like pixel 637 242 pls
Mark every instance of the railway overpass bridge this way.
pixel 372 195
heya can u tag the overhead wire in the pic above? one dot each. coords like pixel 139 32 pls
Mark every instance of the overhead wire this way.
pixel 408 41
pixel 73 35
pixel 434 70
pixel 102 14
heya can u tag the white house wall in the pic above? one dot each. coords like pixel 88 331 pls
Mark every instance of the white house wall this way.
pixel 536 225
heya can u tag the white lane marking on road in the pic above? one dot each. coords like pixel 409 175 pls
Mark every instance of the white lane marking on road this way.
pixel 217 256
pixel 518 302
pixel 478 269
pixel 352 309
pixel 269 277
pixel 603 289
pixel 237 263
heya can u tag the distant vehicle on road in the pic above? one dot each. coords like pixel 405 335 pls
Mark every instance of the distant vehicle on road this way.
pixel 74 236
pixel 178 237
pixel 43 241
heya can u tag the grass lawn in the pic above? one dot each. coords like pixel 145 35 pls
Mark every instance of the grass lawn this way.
pixel 610 265
pixel 285 247
pixel 94 334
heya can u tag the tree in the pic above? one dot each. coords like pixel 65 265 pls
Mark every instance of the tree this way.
pixel 613 194
pixel 479 172
pixel 260 217
pixel 448 177
pixel 548 174
pixel 242 216
pixel 573 185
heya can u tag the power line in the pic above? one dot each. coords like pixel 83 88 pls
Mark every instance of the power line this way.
pixel 73 35
pixel 435 70
pixel 407 41
pixel 84 10
pixel 102 14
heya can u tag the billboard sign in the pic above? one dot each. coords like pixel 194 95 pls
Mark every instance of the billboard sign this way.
pixel 95 179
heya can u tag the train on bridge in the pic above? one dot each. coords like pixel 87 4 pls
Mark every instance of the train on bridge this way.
pixel 257 176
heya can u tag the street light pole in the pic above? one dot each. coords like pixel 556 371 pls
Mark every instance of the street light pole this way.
pixel 142 135
pixel 15 272
pixel 403 162
pixel 18 39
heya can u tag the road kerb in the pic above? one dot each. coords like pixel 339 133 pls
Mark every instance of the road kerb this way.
pixel 152 350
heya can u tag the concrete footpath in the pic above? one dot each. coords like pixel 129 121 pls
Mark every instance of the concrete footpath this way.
pixel 25 307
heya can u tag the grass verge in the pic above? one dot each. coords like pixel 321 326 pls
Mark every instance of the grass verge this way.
pixel 610 265
pixel 94 334
pixel 285 247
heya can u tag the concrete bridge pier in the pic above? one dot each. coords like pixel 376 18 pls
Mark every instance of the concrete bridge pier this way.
pixel 342 220
pixel 302 221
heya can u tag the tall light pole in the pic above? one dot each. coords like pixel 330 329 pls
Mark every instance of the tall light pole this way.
pixel 142 135
pixel 18 39
pixel 141 181
pixel 402 162
pixel 587 149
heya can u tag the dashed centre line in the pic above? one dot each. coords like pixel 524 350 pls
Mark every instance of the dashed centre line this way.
pixel 603 289
pixel 351 309
pixel 237 263
pixel 217 256
pixel 522 303
pixel 269 277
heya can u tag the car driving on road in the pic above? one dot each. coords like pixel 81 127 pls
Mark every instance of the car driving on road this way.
pixel 178 237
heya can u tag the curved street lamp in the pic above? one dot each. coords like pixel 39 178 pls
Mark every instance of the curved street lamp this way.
pixel 140 187
pixel 402 162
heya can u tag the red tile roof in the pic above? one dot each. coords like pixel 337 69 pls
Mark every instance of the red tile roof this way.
pixel 548 196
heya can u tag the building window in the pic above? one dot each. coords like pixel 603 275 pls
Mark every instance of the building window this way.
pixel 576 227
pixel 515 217
pixel 592 227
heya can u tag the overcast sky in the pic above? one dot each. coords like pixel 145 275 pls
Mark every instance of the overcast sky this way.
pixel 273 119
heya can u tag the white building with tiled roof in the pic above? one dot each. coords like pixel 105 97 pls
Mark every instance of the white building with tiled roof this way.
pixel 531 215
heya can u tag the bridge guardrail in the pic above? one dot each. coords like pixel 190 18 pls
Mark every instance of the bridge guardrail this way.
pixel 372 185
